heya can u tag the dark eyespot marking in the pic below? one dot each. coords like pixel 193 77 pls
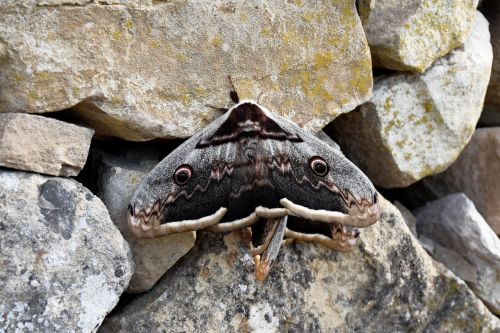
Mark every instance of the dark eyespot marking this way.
pixel 183 174
pixel 319 166
pixel 130 210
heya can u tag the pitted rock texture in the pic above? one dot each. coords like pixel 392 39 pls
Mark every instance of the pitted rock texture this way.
pixel 416 125
pixel 411 35
pixel 148 69
pixel 389 284
pixel 44 145
pixel 63 262
pixel 118 177
pixel 476 173
pixel 454 222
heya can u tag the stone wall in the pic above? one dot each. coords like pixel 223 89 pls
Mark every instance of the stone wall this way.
pixel 94 93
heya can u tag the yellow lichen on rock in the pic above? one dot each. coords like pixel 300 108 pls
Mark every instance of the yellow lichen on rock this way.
pixel 152 58
pixel 411 35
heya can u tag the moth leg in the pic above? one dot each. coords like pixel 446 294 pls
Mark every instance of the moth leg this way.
pixel 271 241
pixel 343 239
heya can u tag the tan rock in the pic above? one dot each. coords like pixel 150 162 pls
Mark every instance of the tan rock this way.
pixel 416 125
pixel 44 145
pixel 411 35
pixel 148 69
pixel 389 284
pixel 476 173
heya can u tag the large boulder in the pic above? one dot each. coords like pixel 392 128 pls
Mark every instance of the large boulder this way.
pixel 44 145
pixel 119 174
pixel 143 69
pixel 476 173
pixel 411 35
pixel 63 263
pixel 389 284
pixel 416 125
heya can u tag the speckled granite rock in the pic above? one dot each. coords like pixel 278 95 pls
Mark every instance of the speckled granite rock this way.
pixel 411 35
pixel 476 173
pixel 148 69
pixel 118 177
pixel 44 145
pixel 417 125
pixel 63 262
pixel 454 222
pixel 389 284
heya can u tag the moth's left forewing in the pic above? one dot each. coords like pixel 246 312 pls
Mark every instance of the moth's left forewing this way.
pixel 160 206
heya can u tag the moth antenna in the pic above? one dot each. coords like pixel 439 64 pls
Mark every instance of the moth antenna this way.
pixel 258 97
pixel 233 93
pixel 223 110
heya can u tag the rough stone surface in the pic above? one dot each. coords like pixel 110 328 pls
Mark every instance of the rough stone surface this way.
pixel 147 69
pixel 408 217
pixel 118 177
pixel 411 35
pixel 44 145
pixel 63 262
pixel 476 173
pixel 454 223
pixel 416 125
pixel 389 284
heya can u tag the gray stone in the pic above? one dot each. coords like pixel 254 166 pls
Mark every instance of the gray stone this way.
pixel 408 217
pixel 389 284
pixel 144 69
pixel 416 125
pixel 471 247
pixel 476 173
pixel 118 177
pixel 63 263
pixel 411 35
pixel 44 145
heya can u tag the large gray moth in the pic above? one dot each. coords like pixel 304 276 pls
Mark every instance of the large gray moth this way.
pixel 252 168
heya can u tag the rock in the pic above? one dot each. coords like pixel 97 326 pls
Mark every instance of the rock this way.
pixel 454 223
pixel 148 69
pixel 389 284
pixel 118 177
pixel 408 217
pixel 416 125
pixel 411 35
pixel 45 145
pixel 365 7
pixel 491 113
pixel 476 173
pixel 63 262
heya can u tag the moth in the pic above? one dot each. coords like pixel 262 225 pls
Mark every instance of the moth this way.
pixel 251 168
